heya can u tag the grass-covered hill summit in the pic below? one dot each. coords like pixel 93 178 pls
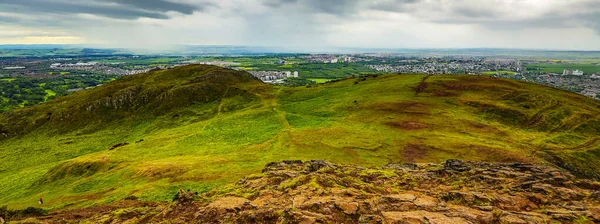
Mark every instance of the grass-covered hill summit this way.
pixel 200 127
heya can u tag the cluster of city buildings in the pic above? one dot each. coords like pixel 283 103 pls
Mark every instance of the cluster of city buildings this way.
pixel 13 68
pixel 321 58
pixel 273 76
pixel 445 66
pixel 96 67
pixel 217 63
pixel 582 84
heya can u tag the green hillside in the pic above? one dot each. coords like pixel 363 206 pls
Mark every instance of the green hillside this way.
pixel 200 127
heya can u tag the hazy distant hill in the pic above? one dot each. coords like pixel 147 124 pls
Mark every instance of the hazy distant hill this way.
pixel 199 127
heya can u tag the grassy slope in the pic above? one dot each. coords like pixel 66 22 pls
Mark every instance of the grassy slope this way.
pixel 203 126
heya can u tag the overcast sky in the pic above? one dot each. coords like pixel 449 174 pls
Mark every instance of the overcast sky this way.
pixel 307 24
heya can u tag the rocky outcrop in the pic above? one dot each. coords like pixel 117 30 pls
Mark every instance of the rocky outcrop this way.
pixel 322 192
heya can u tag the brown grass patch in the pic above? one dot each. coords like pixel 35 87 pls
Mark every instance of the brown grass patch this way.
pixel 407 125
pixel 406 107
pixel 73 168
pixel 484 128
pixel 500 113
pixel 496 154
pixel 414 152
pixel 479 83
pixel 161 170
pixel 441 93
pixel 88 196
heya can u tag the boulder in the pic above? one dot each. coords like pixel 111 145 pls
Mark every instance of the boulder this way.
pixel 229 204
pixel 426 202
pixel 512 219
pixel 315 165
pixel 184 197
pixel 349 208
pixel 420 217
pixel 456 165
pixel 399 198
pixel 595 213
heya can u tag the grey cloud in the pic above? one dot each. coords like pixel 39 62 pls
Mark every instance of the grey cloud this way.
pixel 584 13
pixel 124 9
pixel 591 20
pixel 7 19
pixel 474 13
pixel 278 3
pixel 302 22
pixel 336 7
pixel 344 7
pixel 393 5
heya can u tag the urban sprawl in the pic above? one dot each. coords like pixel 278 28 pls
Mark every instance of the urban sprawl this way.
pixel 283 67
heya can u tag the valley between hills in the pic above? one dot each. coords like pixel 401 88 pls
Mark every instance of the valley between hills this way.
pixel 200 127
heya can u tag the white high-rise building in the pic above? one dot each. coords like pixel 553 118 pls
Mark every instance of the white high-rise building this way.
pixel 288 74
pixel 295 74
pixel 572 72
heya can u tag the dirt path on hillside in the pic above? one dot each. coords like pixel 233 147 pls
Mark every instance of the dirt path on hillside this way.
pixel 219 108
pixel 222 101
pixel 281 114
pixel 538 117
pixel 422 85
pixel 568 124
pixel 589 144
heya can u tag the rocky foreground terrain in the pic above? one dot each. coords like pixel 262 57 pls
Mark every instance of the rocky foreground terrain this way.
pixel 322 192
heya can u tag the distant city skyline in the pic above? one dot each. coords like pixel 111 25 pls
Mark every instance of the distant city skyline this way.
pixel 308 25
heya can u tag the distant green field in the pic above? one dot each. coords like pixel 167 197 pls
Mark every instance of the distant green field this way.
pixel 320 80
pixel 19 92
pixel 49 93
pixel 559 68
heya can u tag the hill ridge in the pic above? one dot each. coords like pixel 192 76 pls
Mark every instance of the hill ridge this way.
pixel 156 92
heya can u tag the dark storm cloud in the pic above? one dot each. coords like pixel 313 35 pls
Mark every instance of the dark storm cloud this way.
pixel 119 9
pixel 158 5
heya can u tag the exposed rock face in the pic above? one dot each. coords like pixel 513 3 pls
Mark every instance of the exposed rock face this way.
pixel 185 197
pixel 456 165
pixel 322 192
